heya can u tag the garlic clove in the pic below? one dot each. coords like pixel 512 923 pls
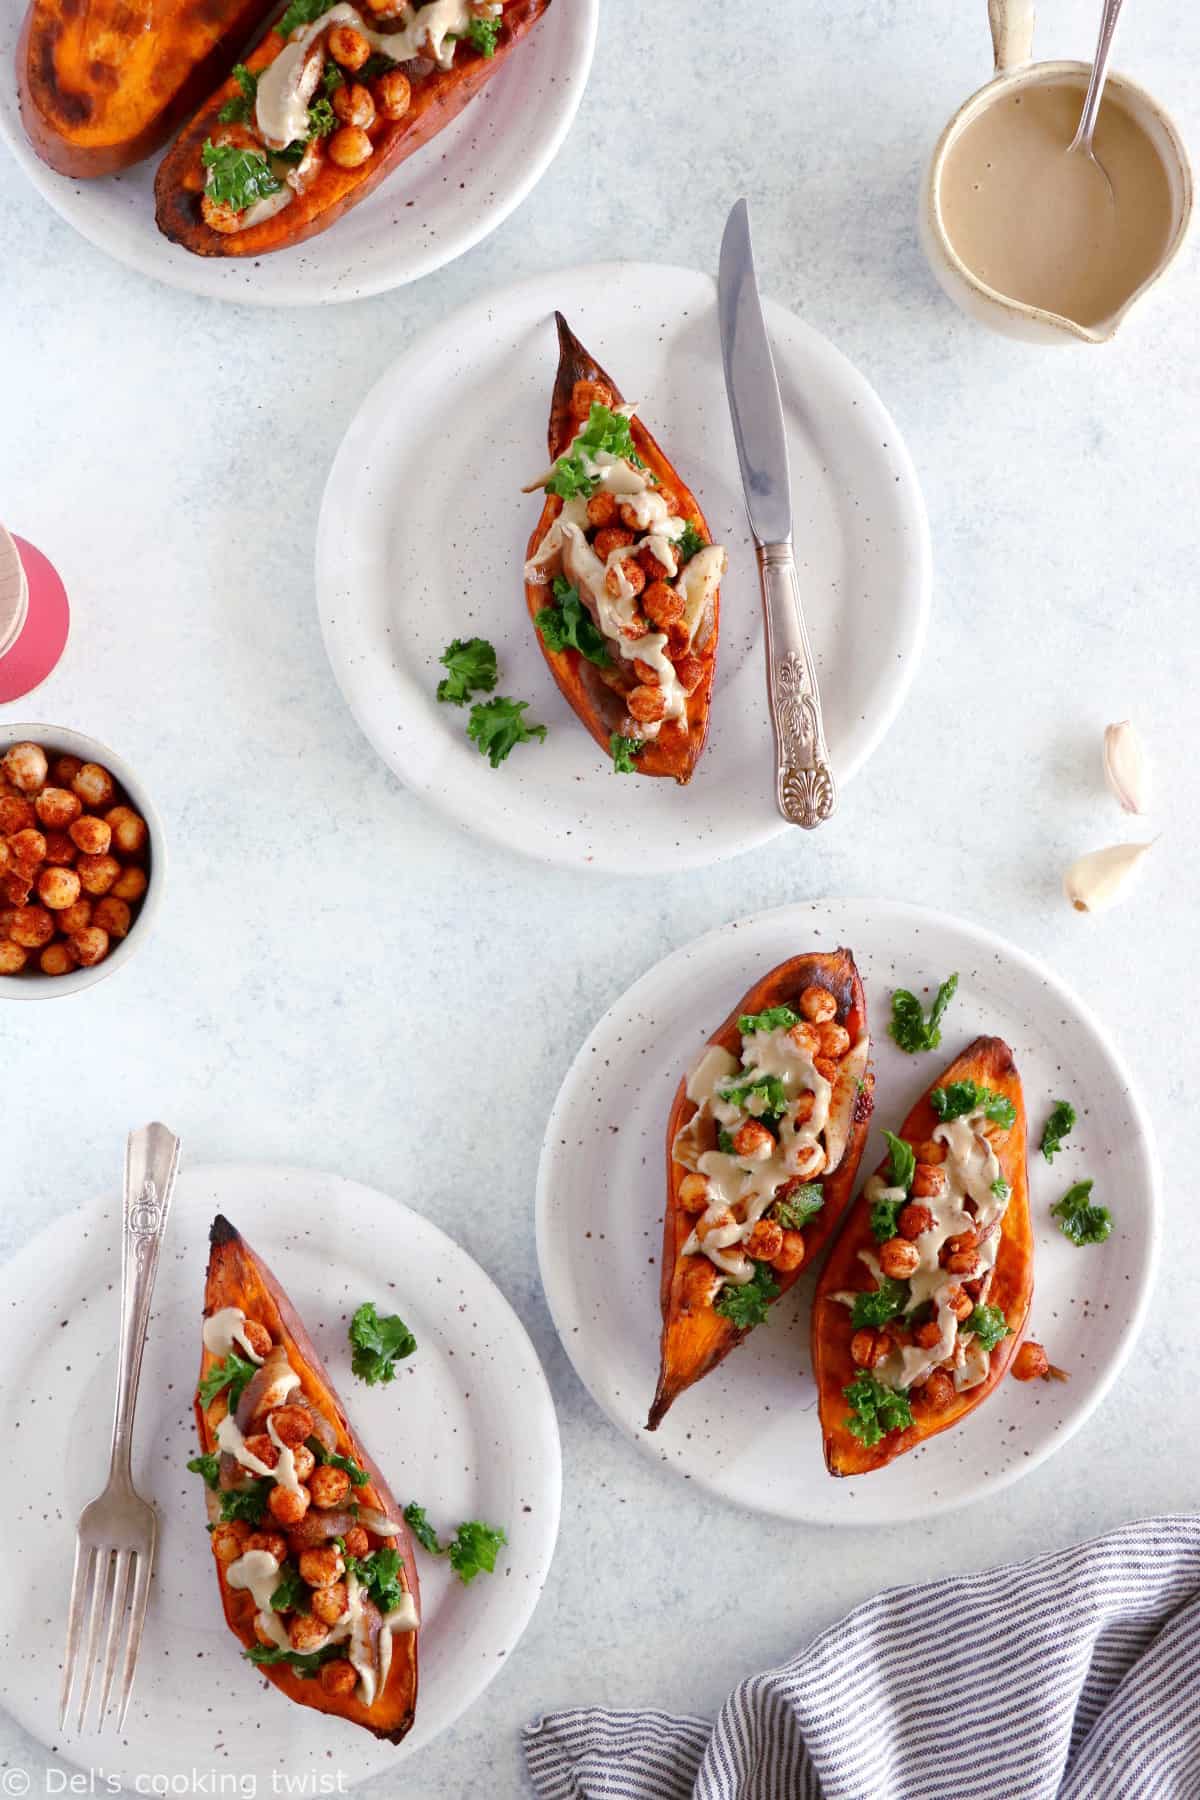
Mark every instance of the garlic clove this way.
pixel 1125 767
pixel 1096 880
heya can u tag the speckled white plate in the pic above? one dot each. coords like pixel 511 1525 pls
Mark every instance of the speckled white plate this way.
pixel 442 201
pixel 422 539
pixel 749 1431
pixel 467 1428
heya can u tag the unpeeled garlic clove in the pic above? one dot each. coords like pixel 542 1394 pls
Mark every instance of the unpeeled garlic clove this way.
pixel 1096 880
pixel 1125 767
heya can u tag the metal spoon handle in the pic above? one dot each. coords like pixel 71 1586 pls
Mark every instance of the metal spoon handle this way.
pixel 1095 93
pixel 151 1159
pixel 804 786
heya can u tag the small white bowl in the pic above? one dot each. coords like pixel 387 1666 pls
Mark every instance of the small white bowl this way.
pixel 56 741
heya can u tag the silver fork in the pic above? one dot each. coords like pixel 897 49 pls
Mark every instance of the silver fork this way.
pixel 114 1545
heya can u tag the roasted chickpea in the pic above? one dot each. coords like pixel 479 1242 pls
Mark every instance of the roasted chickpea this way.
pixel 646 704
pixel 321 1568
pixel 111 914
pixel 305 1632
pixel 97 874
pixel 652 568
pixel 58 807
pixel 348 47
pixel 329 1603
pixel 765 1241
pixel 258 1337
pixel 802 1109
pixel 1031 1362
pixel 220 215
pixel 718 1222
pixel 91 835
pixel 90 945
pixel 807 1161
pixel 899 1259
pixel 635 628
pixel 826 1067
pixel 931 1151
pixel 229 1541
pixel 586 394
pixel 64 770
pixel 94 785
pixel 965 1240
pixel 353 105
pixel 31 927
pixel 689 672
pixel 699 1282
pixel 834 1039
pixel 13 957
pixel 753 1140
pixel 58 888
pixel 602 509
pixel 27 850
pixel 662 604
pixel 805 1038
pixel 292 1424
pixel 818 1005
pixel 959 1302
pixel 929 1180
pixel 338 1678
pixel 273 1542
pixel 75 918
pixel 286 1505
pixel 17 889
pixel 645 673
pixel 56 959
pixel 356 1541
pixel 935 1394
pixel 868 1348
pixel 329 1485
pixel 963 1262
pixel 613 537
pixel 693 1193
pixel 913 1221
pixel 26 767
pixel 130 833
pixel 627 574
pixel 259 1445
pixel 791 1252
pixel 60 850
pixel 303 1461
pixel 350 148
pixel 927 1335
pixel 16 814
pixel 130 884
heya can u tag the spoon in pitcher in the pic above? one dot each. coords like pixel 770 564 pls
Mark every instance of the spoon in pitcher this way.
pixel 1086 129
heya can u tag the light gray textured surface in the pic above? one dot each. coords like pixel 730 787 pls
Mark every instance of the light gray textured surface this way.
pixel 328 942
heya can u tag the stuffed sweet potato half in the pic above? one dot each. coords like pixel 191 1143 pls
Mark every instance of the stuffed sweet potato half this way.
pixel 316 1568
pixel 103 85
pixel 926 1292
pixel 622 578
pixel 333 98
pixel 763 1146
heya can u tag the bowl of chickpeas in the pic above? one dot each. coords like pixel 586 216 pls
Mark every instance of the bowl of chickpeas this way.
pixel 82 862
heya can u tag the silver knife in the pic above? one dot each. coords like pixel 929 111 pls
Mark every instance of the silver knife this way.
pixel 804 786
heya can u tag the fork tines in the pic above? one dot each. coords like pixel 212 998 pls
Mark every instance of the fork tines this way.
pixel 114 1585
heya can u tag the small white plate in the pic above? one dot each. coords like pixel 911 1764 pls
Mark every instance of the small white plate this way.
pixel 749 1431
pixel 467 1428
pixel 422 539
pixel 445 199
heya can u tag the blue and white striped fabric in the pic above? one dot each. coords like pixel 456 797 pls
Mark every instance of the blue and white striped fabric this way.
pixel 1092 1693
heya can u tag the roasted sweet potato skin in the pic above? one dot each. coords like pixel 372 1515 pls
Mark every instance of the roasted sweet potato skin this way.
pixel 437 98
pixel 696 1338
pixel 673 753
pixel 988 1061
pixel 104 83
pixel 238 1277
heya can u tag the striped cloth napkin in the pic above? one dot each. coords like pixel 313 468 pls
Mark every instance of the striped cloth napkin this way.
pixel 1075 1676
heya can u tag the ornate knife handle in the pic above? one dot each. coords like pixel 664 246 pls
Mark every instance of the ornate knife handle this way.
pixel 805 791
pixel 151 1160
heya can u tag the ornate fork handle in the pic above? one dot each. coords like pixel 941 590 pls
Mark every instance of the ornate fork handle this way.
pixel 151 1158
pixel 805 791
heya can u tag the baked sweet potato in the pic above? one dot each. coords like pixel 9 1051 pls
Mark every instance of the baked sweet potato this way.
pixel 346 1497
pixel 973 1283
pixel 295 198
pixel 802 1142
pixel 649 620
pixel 104 83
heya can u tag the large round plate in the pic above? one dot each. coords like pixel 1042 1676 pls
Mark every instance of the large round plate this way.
pixel 423 532
pixel 749 1431
pixel 435 206
pixel 467 1428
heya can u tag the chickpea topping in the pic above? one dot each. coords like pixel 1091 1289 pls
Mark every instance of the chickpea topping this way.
pixel 929 1180
pixel 273 1542
pixel 31 927
pixel 94 785
pixel 64 770
pixel 765 1241
pixel 1031 1362
pixel 58 888
pixel 693 1193
pixel 662 605
pixel 305 1631
pixel 931 1151
pixel 602 509
pixel 698 1283
pixel 935 1394
pixel 717 1223
pixel 834 1039
pixel 805 1038
pixel 90 945
pixel 808 1160
pixel 15 815
pixel 818 1005
pixel 26 767
pixel 689 672
pixel 914 1220
pixel 963 1262
pixel 58 807
pixel 329 1603
pixel 130 833
pixel 229 1541
pixel 803 1108
pixel 927 1335
pixel 59 849
pixel 303 1461
pixel 646 675
pixel 321 1568
pixel 75 918
pixel 222 216
pixel 753 1140
pixel 959 1302
pixel 868 1348
pixel 646 704
pixel 97 874
pixel 652 568
pixel 348 47
pixel 899 1259
pixel 338 1678
pixel 791 1252
pixel 292 1424
pixel 628 573
pixel 586 394
pixel 636 628
pixel 56 958
pixel 826 1067
pixel 27 849
pixel 329 1486
pixel 350 147
pixel 612 537
pixel 286 1505
pixel 259 1445
pixel 130 884
pixel 356 1541
pixel 966 1240
pixel 258 1337
pixel 353 105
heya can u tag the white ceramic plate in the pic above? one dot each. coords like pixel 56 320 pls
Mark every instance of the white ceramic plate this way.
pixel 422 539
pixel 749 1431
pixel 417 220
pixel 467 1428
